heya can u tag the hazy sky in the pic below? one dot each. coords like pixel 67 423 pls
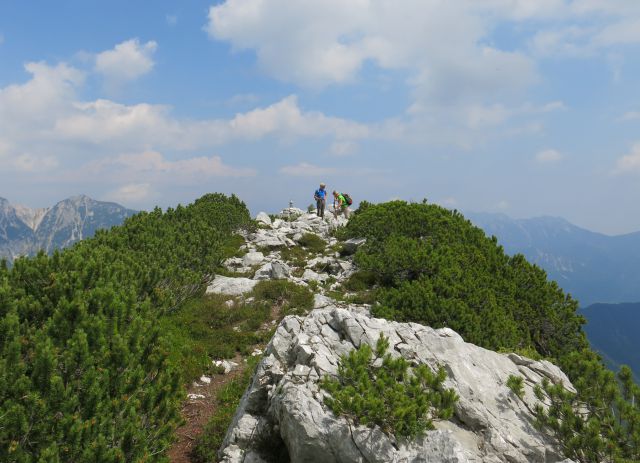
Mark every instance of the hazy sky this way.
pixel 528 107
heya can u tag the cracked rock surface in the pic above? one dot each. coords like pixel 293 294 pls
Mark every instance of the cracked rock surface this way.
pixel 284 403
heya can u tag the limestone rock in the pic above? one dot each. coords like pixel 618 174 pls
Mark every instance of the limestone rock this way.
pixel 351 246
pixel 275 270
pixel 264 218
pixel 226 365
pixel 252 258
pixel 285 402
pixel 230 286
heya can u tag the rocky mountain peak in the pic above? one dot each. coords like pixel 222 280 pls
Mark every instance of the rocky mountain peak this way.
pixel 24 231
pixel 31 217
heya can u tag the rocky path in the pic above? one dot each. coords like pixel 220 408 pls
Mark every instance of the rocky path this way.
pixel 197 410
pixel 263 260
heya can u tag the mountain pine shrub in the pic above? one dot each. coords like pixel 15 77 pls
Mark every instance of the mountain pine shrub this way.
pixel 86 373
pixel 374 389
pixel 434 267
pixel 516 384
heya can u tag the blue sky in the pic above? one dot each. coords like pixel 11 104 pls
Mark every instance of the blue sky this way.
pixel 515 106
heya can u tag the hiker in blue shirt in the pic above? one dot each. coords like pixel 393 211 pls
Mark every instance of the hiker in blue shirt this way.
pixel 321 199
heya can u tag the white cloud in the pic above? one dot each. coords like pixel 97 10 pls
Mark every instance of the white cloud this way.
pixel 171 19
pixel 30 163
pixel 548 156
pixel 320 43
pixel 343 148
pixel 629 163
pixel 131 193
pixel 305 169
pixel 153 162
pixel 285 117
pixel 105 121
pixel 127 61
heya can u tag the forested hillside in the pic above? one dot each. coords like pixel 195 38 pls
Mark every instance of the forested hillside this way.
pixel 85 373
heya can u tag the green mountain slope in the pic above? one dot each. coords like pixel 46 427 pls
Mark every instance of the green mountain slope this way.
pixel 85 373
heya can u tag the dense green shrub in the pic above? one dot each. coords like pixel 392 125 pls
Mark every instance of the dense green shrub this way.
pixel 434 267
pixel 601 423
pixel 312 243
pixel 290 298
pixel 402 401
pixel 85 373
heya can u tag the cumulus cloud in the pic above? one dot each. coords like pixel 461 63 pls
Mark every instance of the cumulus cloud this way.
pixel 629 163
pixel 127 61
pixel 133 193
pixel 548 156
pixel 153 162
pixel 320 43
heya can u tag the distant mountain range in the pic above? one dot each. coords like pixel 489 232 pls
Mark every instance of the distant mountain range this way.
pixel 591 266
pixel 25 231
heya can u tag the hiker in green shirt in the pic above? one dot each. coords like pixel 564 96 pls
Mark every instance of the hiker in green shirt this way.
pixel 340 205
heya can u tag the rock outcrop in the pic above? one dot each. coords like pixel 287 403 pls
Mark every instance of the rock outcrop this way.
pixel 285 402
pixel 283 410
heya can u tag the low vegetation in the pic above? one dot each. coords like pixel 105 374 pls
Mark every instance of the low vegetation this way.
pixel 374 389
pixel 226 403
pixel 285 296
pixel 516 384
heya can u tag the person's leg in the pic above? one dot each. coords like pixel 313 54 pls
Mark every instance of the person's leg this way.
pixel 323 204
pixel 346 212
pixel 319 207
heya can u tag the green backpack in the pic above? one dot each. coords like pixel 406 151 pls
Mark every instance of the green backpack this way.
pixel 348 199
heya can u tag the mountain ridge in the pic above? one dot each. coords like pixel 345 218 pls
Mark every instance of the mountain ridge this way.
pixel 25 231
pixel 592 266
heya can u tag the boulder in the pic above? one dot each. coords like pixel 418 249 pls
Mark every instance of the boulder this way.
pixel 230 286
pixel 252 258
pixel 285 403
pixel 310 275
pixel 351 245
pixel 276 270
pixel 264 218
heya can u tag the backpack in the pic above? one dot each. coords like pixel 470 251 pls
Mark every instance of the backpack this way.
pixel 348 199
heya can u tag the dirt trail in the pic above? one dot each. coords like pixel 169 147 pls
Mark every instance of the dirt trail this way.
pixel 197 413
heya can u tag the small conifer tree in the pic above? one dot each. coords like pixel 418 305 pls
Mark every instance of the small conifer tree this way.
pixel 374 389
